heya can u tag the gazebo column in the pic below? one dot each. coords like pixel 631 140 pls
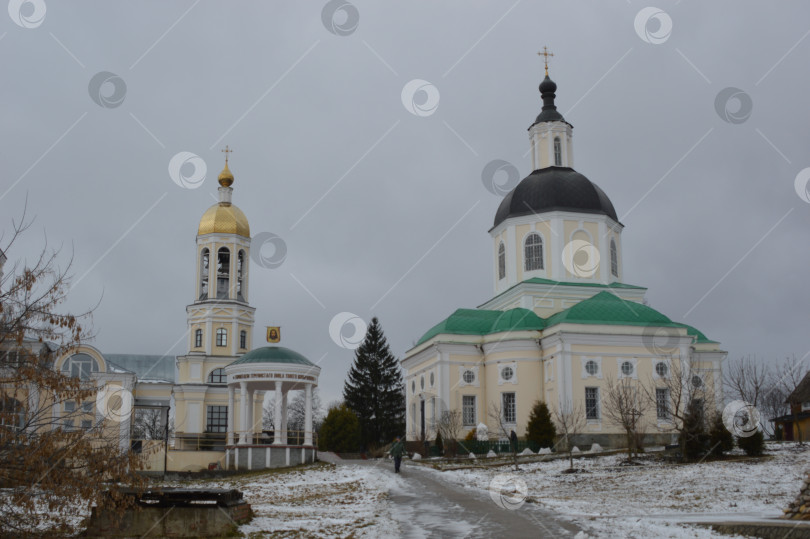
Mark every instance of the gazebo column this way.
pixel 231 411
pixel 277 415
pixel 251 409
pixel 308 415
pixel 284 438
pixel 242 412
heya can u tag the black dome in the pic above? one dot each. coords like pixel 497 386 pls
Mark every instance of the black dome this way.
pixel 554 188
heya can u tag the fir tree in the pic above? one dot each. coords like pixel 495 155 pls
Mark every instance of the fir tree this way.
pixel 541 429
pixel 720 439
pixel 375 390
pixel 753 445
pixel 340 431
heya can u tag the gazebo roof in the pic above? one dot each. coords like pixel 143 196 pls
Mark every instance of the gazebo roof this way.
pixel 273 354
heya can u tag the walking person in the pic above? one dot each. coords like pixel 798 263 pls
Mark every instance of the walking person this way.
pixel 397 450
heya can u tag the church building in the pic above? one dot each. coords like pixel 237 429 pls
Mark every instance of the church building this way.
pixel 562 322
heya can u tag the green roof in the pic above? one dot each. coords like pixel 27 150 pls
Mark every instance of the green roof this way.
pixel 483 322
pixel 603 308
pixel 700 337
pixel 607 308
pixel 273 354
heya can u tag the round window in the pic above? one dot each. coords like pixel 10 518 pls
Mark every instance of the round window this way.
pixel 422 382
pixel 432 379
pixel 507 373
pixel 661 369
pixel 469 377
pixel 697 381
pixel 627 368
pixel 591 367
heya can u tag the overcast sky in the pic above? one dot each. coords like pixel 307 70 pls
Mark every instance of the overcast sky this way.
pixel 382 209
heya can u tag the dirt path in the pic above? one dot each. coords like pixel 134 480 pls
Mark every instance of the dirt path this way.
pixel 427 507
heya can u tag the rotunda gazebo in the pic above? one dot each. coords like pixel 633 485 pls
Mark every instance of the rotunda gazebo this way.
pixel 277 369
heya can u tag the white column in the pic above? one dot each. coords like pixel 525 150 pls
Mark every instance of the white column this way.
pixel 242 412
pixel 277 415
pixel 308 415
pixel 251 409
pixel 284 439
pixel 231 411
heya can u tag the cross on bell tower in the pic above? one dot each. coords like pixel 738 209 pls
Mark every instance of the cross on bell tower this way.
pixel 546 56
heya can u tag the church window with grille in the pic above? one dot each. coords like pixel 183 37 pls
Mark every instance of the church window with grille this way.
pixel 243 339
pixel 533 252
pixel 468 410
pixel 557 152
pixel 509 409
pixel 240 274
pixel 501 261
pixel 614 259
pixel 592 403
pixel 197 338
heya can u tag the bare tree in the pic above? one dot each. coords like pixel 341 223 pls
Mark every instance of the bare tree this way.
pixel 749 380
pixel 625 405
pixel 57 458
pixel 570 421
pixel 503 429
pixel 680 391
pixel 297 411
pixel 449 426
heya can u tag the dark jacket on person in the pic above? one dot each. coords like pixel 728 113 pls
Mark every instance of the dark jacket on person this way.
pixel 398 449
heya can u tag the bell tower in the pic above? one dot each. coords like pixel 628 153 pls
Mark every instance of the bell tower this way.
pixel 220 319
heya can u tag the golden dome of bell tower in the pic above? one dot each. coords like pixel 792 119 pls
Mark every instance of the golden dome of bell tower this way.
pixel 224 217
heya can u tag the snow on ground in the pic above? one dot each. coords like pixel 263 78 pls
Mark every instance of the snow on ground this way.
pixel 609 500
pixel 317 501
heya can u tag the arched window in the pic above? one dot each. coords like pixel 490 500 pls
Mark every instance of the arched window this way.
pixel 217 376
pixel 197 338
pixel 243 339
pixel 533 252
pixel 80 366
pixel 557 152
pixel 614 258
pixel 223 271
pixel 222 337
pixel 240 273
pixel 205 257
pixel 501 261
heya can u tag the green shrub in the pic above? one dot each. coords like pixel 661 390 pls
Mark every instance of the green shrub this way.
pixel 693 439
pixel 753 445
pixel 340 431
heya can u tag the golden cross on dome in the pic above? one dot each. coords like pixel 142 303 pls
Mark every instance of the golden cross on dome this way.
pixel 546 54
pixel 226 151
